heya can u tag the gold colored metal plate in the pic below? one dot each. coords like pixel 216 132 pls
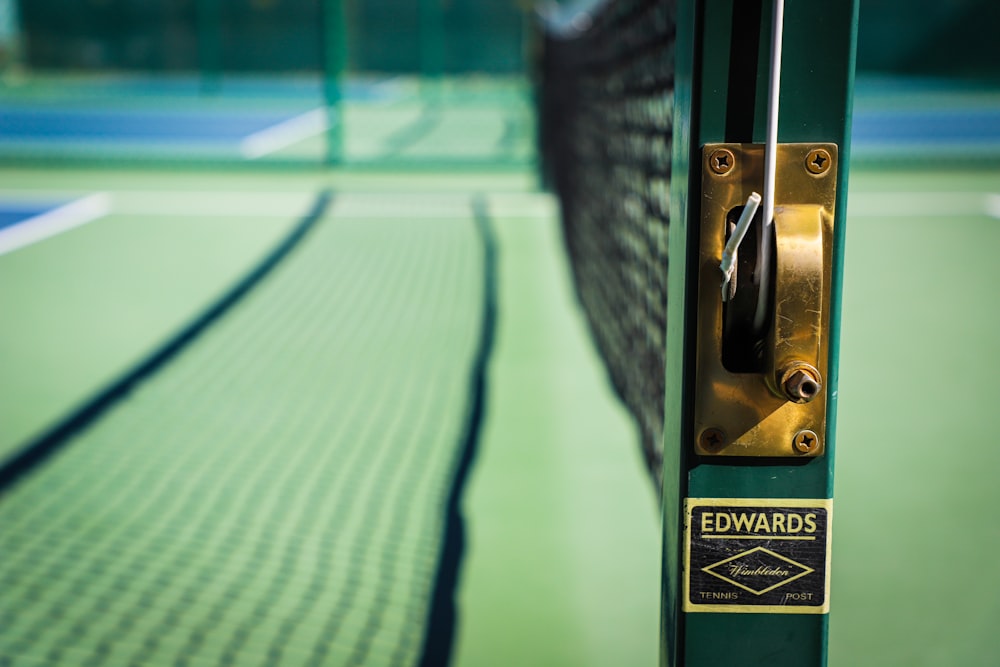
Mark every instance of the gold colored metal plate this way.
pixel 747 414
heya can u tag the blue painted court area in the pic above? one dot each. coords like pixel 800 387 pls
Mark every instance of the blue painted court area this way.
pixel 182 116
pixel 42 125
pixel 12 213
pixel 939 127
pixel 925 119
pixel 24 223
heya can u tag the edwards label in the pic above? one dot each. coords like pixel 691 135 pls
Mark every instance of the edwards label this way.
pixel 757 555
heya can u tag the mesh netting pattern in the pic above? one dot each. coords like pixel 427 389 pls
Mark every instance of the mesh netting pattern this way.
pixel 275 495
pixel 605 103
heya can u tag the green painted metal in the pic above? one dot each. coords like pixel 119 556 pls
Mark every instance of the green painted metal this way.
pixel 931 38
pixel 432 42
pixel 719 97
pixel 209 18
pixel 432 38
pixel 679 311
pixel 334 63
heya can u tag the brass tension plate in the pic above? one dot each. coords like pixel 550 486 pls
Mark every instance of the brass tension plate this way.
pixel 743 414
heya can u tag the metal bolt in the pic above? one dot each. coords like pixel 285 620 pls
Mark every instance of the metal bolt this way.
pixel 722 160
pixel 712 438
pixel 818 161
pixel 805 441
pixel 801 383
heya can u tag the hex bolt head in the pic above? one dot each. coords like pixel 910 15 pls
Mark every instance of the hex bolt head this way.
pixel 712 439
pixel 801 383
pixel 818 161
pixel 722 161
pixel 805 441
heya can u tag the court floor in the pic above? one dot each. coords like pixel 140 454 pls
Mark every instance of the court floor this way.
pixel 252 119
pixel 315 417
pixel 308 433
pixel 914 538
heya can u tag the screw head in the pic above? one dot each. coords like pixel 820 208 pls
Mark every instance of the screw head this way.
pixel 805 441
pixel 818 161
pixel 722 161
pixel 712 439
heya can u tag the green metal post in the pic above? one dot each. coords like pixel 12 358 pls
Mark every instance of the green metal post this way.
pixel 432 47
pixel 720 95
pixel 209 17
pixel 334 53
pixel 10 40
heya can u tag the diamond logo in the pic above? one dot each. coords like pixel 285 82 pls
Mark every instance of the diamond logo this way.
pixel 758 570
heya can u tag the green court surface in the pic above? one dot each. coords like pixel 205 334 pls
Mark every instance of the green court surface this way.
pixel 301 362
pixel 277 492
pixel 915 538
pixel 274 493
pixel 564 548
pixel 87 304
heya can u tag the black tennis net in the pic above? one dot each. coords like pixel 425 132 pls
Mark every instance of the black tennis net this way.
pixel 605 97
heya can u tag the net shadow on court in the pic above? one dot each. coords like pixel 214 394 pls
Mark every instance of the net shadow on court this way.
pixel 275 479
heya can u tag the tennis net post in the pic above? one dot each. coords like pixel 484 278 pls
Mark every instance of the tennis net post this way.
pixel 334 53
pixel 655 121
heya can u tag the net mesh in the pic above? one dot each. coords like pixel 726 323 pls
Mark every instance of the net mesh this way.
pixel 605 100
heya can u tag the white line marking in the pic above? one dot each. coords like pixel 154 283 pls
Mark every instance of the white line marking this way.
pixel 922 204
pixel 253 203
pixel 284 134
pixel 391 82
pixel 992 206
pixel 224 204
pixel 53 222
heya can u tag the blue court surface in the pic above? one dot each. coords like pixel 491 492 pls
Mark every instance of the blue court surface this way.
pixel 941 132
pixel 229 118
pixel 12 213
pixel 228 134
pixel 247 118
pixel 45 125
pixel 897 118
pixel 24 222
pixel 232 121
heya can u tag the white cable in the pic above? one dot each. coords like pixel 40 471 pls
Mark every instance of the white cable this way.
pixel 770 157
pixel 728 264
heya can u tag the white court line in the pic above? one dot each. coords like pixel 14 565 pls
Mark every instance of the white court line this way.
pixel 284 134
pixel 53 222
pixel 923 204
pixel 993 206
pixel 217 204
pixel 391 82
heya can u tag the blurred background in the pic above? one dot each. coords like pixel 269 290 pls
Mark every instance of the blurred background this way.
pixel 292 370
pixel 268 80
